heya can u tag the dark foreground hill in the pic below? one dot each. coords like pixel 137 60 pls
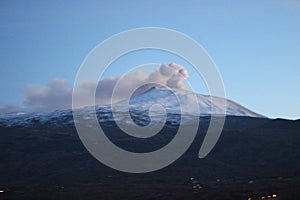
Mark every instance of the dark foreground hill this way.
pixel 254 158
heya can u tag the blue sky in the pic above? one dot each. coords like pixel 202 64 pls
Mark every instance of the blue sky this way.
pixel 255 44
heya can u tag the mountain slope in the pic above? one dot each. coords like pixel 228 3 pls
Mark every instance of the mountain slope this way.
pixel 171 102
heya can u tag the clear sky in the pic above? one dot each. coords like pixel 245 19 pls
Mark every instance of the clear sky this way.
pixel 255 44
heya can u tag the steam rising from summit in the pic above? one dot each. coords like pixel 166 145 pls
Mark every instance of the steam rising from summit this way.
pixel 171 75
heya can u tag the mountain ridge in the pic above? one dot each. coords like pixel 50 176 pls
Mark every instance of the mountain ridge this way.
pixel 139 105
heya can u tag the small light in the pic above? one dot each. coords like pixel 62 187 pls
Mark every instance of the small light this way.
pixel 263 197
pixel 274 195
pixel 269 197
pixel 249 198
pixel 1 191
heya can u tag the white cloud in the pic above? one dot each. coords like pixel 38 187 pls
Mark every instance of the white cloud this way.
pixel 57 94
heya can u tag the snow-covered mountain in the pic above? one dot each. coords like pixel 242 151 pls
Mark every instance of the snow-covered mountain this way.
pixel 174 100
pixel 140 103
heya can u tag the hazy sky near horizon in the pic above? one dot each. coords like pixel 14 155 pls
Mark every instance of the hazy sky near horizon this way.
pixel 255 45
